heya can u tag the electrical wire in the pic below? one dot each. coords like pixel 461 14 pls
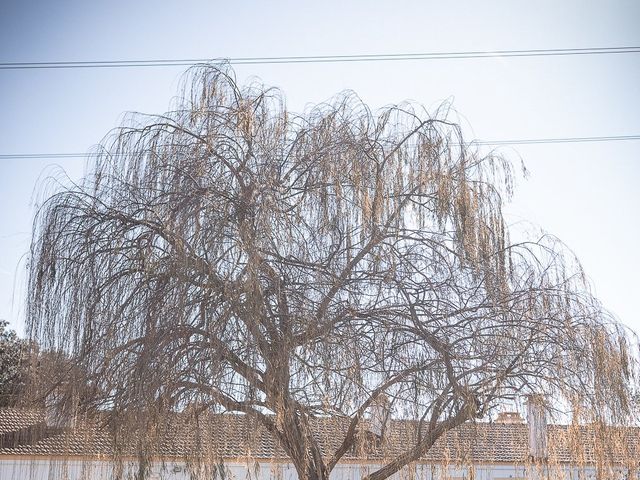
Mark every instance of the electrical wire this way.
pixel 319 58
pixel 524 141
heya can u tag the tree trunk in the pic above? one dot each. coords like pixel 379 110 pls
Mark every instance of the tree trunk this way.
pixel 314 473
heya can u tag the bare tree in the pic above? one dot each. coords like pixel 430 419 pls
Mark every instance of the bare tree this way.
pixel 237 257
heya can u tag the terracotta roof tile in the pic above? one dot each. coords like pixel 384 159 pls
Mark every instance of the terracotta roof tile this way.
pixel 14 419
pixel 237 436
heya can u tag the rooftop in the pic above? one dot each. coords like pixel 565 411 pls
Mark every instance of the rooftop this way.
pixel 228 436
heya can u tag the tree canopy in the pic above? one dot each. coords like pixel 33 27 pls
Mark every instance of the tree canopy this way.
pixel 232 256
pixel 13 365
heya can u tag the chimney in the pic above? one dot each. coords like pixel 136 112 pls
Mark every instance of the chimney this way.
pixel 379 416
pixel 537 420
pixel 509 417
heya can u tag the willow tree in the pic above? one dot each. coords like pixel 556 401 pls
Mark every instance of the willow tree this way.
pixel 230 256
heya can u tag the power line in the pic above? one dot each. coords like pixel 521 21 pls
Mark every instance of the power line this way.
pixel 534 141
pixel 525 141
pixel 319 58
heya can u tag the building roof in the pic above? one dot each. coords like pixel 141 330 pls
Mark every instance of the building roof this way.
pixel 238 436
pixel 13 420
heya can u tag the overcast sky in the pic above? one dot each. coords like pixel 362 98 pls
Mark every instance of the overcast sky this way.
pixel 585 193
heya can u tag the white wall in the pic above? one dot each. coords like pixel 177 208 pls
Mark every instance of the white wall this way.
pixel 17 469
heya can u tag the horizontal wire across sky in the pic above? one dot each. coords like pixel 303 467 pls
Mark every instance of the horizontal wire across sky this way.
pixel 332 59
pixel 549 52
pixel 524 141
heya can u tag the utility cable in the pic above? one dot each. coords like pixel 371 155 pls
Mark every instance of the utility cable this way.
pixel 320 58
pixel 524 141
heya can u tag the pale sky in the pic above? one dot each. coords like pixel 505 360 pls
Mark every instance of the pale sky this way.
pixel 585 193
